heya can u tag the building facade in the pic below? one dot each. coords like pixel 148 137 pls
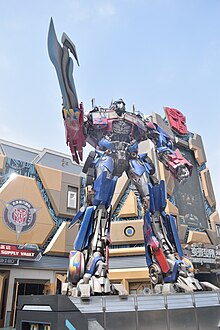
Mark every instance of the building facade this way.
pixel 41 191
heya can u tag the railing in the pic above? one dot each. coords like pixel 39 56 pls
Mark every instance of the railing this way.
pixel 191 311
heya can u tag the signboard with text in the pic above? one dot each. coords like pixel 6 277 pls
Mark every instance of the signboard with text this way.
pixel 9 261
pixel 203 255
pixel 20 252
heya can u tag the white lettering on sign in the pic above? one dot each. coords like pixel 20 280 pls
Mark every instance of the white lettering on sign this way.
pixel 5 247
pixel 199 252
pixel 27 254
pixel 9 253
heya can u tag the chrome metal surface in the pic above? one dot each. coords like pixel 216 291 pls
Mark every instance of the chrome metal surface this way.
pixel 191 311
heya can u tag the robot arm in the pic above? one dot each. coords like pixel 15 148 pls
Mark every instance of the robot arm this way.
pixel 72 112
pixel 172 160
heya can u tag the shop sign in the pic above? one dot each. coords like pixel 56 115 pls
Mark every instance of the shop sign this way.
pixel 217 252
pixel 21 252
pixel 9 261
pixel 203 255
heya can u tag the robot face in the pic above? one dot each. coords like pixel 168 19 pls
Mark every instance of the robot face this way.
pixel 177 120
pixel 118 107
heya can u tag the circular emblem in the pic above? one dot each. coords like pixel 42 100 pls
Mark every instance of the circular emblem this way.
pixel 19 216
pixel 129 231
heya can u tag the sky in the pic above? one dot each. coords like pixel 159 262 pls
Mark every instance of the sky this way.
pixel 151 53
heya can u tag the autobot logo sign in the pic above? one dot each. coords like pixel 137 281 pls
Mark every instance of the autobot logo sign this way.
pixel 19 216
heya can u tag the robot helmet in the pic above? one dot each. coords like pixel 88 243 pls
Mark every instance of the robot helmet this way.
pixel 118 106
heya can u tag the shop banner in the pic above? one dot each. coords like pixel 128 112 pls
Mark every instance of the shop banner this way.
pixel 20 252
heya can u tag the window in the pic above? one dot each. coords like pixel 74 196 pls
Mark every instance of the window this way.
pixel 218 230
pixel 72 198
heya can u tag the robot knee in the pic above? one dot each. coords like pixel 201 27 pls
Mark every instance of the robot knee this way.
pixel 146 202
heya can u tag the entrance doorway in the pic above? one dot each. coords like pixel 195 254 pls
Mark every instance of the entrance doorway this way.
pixel 4 278
pixel 24 288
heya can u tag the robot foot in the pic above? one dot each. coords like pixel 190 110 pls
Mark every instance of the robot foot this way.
pixel 96 286
pixel 186 285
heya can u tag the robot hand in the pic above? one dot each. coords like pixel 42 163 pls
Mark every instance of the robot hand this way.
pixel 179 166
pixel 182 173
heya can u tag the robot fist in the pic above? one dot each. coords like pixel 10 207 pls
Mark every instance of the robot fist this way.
pixel 182 173
pixel 179 166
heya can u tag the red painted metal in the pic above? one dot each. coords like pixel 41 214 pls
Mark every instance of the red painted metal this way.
pixel 175 160
pixel 19 251
pixel 177 120
pixel 75 137
pixel 162 260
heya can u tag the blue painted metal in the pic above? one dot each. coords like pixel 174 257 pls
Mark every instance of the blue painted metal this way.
pixel 99 152
pixel 99 155
pixel 106 144
pixel 133 147
pixel 69 325
pixel 81 238
pixel 92 268
pixel 157 197
pixel 104 189
pixel 162 149
pixel 147 166
pixel 173 277
pixel 77 217
pixel 138 167
pixel 142 156
pixel 164 138
pixel 89 231
pixel 107 162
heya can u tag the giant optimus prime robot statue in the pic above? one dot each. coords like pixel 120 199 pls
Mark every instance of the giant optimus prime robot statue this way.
pixel 115 135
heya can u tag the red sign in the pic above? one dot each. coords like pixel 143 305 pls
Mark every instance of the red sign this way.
pixel 22 252
pixel 177 120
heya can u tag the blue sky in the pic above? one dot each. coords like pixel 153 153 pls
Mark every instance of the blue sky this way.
pixel 151 53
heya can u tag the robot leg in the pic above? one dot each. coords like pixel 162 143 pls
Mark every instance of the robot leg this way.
pixel 164 255
pixel 91 243
pixel 139 173
pixel 170 270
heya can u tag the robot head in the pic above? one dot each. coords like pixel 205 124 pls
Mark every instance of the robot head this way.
pixel 118 107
